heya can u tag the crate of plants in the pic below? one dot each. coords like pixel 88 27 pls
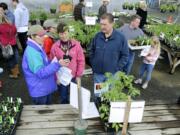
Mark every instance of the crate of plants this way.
pixel 139 43
pixel 120 86
pixel 10 112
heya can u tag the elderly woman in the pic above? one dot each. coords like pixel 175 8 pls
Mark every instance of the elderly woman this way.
pixel 8 40
pixel 38 71
pixel 70 50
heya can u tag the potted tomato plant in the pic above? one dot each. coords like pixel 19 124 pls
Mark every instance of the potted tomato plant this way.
pixel 120 87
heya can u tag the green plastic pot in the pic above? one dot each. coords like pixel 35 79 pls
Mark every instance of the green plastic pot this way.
pixel 80 127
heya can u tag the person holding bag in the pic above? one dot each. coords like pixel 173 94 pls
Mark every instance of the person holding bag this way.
pixel 9 46
pixel 71 51
pixel 39 72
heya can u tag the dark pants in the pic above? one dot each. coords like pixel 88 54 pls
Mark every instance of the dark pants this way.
pixel 64 93
pixel 23 39
pixel 12 61
pixel 127 68
pixel 45 100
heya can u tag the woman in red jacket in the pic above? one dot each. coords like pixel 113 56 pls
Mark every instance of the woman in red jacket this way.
pixel 8 37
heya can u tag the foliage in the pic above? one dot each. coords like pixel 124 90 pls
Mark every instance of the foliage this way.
pixel 91 14
pixel 33 16
pixel 82 32
pixel 170 33
pixel 120 87
pixel 130 6
pixel 168 7
pixel 9 110
pixel 163 8
pixel 136 5
pixel 143 40
pixel 125 5
pixel 43 15
pixel 54 6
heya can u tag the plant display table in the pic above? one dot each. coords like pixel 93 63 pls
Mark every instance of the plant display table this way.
pixel 59 119
pixel 173 56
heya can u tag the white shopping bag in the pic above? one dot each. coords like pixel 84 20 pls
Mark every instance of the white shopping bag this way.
pixel 145 51
pixel 64 76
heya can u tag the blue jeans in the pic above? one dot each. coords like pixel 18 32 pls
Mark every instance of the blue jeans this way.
pixel 128 66
pixel 64 93
pixel 148 68
pixel 12 61
pixel 45 100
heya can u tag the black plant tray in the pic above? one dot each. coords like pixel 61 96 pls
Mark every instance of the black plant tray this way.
pixel 13 128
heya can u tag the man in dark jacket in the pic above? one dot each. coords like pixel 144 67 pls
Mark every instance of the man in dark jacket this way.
pixel 79 11
pixel 103 8
pixel 109 50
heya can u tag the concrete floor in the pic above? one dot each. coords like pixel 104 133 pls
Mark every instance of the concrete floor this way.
pixel 163 86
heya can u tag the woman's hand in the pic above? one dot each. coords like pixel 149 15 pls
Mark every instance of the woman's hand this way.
pixel 64 63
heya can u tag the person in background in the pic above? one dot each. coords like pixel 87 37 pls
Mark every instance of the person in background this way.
pixel 103 8
pixel 51 36
pixel 8 37
pixel 21 14
pixel 108 51
pixel 79 11
pixel 142 12
pixel 71 50
pixel 9 15
pixel 131 31
pixel 149 61
pixel 39 73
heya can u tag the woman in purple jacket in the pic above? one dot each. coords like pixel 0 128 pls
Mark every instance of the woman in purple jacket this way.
pixel 39 73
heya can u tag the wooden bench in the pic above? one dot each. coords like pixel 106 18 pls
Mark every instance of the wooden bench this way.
pixel 59 119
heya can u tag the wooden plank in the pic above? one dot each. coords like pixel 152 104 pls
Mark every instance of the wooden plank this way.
pixel 67 107
pixel 48 112
pixel 44 107
pixel 162 107
pixel 148 117
pixel 161 112
pixel 91 130
pixel 159 102
pixel 59 119
pixel 161 118
pixel 169 131
pixel 154 125
pixel 49 118
pixel 146 132
pixel 53 124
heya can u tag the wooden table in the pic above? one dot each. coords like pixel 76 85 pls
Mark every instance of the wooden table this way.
pixel 59 119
